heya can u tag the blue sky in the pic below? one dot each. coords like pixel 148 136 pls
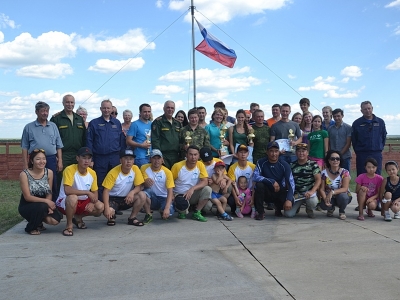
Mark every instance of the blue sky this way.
pixel 334 52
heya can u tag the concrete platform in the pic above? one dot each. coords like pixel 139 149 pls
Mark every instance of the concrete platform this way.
pixel 277 258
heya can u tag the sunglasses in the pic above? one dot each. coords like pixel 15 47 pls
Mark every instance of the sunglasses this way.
pixel 38 150
pixel 334 158
pixel 301 146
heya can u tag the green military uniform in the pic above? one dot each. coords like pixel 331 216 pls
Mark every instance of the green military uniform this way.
pixel 260 142
pixel 73 136
pixel 199 135
pixel 165 137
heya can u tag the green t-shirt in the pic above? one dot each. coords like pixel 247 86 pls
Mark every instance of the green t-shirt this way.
pixel 316 140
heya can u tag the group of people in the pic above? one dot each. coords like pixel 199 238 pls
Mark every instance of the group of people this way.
pixel 179 164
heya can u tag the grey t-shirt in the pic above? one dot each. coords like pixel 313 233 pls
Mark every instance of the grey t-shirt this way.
pixel 280 130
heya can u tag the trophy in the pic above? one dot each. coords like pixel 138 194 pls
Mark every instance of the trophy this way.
pixel 188 138
pixel 251 136
pixel 147 132
pixel 291 139
pixel 223 149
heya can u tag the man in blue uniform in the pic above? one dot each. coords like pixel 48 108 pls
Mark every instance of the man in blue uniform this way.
pixel 104 138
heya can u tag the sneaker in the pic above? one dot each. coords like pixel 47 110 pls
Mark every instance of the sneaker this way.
pixel 396 216
pixel 225 217
pixel 270 206
pixel 181 215
pixel 310 214
pixel 388 218
pixel 147 219
pixel 239 213
pixel 260 217
pixel 329 213
pixel 342 216
pixel 198 217
pixel 253 214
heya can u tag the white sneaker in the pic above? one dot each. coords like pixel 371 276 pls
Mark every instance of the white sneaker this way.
pixel 388 218
pixel 396 216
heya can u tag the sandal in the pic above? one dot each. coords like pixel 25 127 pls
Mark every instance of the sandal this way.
pixel 41 227
pixel 111 222
pixel 132 222
pixel 35 232
pixel 67 232
pixel 370 213
pixel 79 225
pixel 360 218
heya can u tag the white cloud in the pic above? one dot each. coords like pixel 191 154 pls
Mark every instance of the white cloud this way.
pixel 130 43
pixel 1 37
pixel 48 48
pixel 159 3
pixel 334 94
pixel 397 30
pixel 291 76
pixel 391 117
pixel 345 80
pixel 45 71
pixel 166 90
pixel 351 71
pixel 395 3
pixel 260 21
pixel 112 66
pixel 321 84
pixel 223 11
pixel 394 65
pixel 6 22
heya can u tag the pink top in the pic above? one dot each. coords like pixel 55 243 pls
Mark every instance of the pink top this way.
pixel 373 184
pixel 245 195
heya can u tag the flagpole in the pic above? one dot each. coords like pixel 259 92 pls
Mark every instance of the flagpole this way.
pixel 194 56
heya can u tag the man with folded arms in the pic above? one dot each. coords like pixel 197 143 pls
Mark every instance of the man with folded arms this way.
pixel 123 189
pixel 159 184
pixel 79 192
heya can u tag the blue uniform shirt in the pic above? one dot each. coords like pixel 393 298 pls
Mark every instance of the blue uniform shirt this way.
pixel 104 137
pixel 368 135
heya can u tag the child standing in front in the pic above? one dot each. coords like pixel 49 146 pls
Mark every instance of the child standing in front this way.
pixel 220 181
pixel 367 189
pixel 391 191
pixel 245 198
pixel 318 142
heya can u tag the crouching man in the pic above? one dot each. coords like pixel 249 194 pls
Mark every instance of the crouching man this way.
pixel 123 189
pixel 307 178
pixel 191 187
pixel 79 192
pixel 158 183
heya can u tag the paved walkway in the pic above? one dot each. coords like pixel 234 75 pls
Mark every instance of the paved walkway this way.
pixel 277 258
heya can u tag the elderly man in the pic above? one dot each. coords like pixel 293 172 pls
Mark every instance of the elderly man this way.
pixel 123 190
pixel 138 134
pixel 191 187
pixel 165 132
pixel 105 139
pixel 274 181
pixel 198 135
pixel 72 131
pixel 159 184
pixel 307 178
pixel 340 138
pixel 42 134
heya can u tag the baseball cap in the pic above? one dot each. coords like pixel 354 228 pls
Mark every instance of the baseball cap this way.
pixel 206 154
pixel 219 164
pixel 156 152
pixel 242 147
pixel 272 145
pixel 181 204
pixel 301 146
pixel 126 152
pixel 84 151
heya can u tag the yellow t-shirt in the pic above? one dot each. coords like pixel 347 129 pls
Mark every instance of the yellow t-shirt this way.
pixel 163 179
pixel 121 184
pixel 186 178
pixel 235 171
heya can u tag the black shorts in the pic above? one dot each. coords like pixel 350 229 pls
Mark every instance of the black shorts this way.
pixel 118 203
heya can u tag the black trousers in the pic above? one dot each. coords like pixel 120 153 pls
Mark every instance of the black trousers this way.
pixel 264 194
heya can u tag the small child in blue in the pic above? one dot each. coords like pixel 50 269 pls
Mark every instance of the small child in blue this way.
pixel 220 181
pixel 245 198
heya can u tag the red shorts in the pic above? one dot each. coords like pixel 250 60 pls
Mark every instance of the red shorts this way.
pixel 80 207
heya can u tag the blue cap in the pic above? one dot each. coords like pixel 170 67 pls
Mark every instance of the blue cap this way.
pixel 272 144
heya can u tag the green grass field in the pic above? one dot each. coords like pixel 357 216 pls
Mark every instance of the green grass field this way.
pixel 9 199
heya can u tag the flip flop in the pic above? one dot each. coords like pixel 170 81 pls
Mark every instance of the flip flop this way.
pixel 41 227
pixel 360 218
pixel 111 222
pixel 132 222
pixel 35 232
pixel 79 225
pixel 67 232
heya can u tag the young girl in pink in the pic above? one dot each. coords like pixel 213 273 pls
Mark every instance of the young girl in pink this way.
pixel 367 189
pixel 244 195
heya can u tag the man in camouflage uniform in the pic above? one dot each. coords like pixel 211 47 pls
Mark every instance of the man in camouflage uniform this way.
pixel 165 132
pixel 199 136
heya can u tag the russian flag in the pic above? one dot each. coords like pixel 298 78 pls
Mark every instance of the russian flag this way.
pixel 215 49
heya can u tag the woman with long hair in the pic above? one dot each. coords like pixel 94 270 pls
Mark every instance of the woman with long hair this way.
pixel 36 205
pixel 181 117
pixel 214 131
pixel 306 126
pixel 238 134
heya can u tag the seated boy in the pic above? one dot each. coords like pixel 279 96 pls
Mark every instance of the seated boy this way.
pixel 220 200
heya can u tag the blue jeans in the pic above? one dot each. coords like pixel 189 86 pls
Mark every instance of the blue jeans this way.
pixel 158 202
pixel 346 164
pixel 311 203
